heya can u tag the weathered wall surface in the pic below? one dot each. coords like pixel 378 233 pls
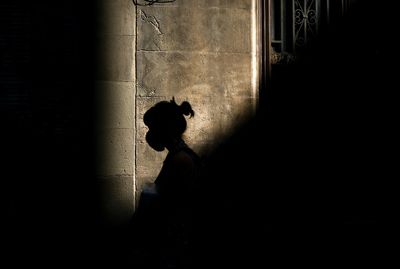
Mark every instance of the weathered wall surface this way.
pixel 199 51
pixel 116 108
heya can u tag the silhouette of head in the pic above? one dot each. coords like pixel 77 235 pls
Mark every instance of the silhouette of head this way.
pixel 166 123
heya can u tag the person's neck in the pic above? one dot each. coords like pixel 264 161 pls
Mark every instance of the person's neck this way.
pixel 174 144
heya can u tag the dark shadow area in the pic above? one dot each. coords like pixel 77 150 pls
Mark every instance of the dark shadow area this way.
pixel 308 182
pixel 47 197
pixel 330 119
pixel 162 226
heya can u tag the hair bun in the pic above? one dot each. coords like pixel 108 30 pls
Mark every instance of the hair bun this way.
pixel 186 109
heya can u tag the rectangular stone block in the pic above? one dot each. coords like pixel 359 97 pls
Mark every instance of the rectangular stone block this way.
pixel 115 104
pixel 194 29
pixel 116 58
pixel 200 74
pixel 115 152
pixel 204 127
pixel 215 119
pixel 117 17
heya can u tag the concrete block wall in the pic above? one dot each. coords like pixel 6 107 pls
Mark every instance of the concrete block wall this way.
pixel 115 80
pixel 200 51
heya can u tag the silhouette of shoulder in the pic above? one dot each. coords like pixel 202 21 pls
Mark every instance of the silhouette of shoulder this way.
pixel 183 161
pixel 180 170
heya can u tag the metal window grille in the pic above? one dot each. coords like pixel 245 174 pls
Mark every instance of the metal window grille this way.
pixel 294 24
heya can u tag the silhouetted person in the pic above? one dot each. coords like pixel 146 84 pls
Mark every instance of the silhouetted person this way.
pixel 167 207
pixel 166 123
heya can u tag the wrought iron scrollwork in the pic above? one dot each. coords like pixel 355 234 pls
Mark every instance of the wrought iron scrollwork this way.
pixel 295 24
pixel 305 21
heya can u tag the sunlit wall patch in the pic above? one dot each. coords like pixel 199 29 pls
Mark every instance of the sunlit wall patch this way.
pixel 255 51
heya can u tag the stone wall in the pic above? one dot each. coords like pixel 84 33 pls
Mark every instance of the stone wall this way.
pixel 116 108
pixel 202 52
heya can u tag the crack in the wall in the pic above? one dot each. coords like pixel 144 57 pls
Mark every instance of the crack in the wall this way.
pixel 157 46
pixel 152 2
pixel 151 20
